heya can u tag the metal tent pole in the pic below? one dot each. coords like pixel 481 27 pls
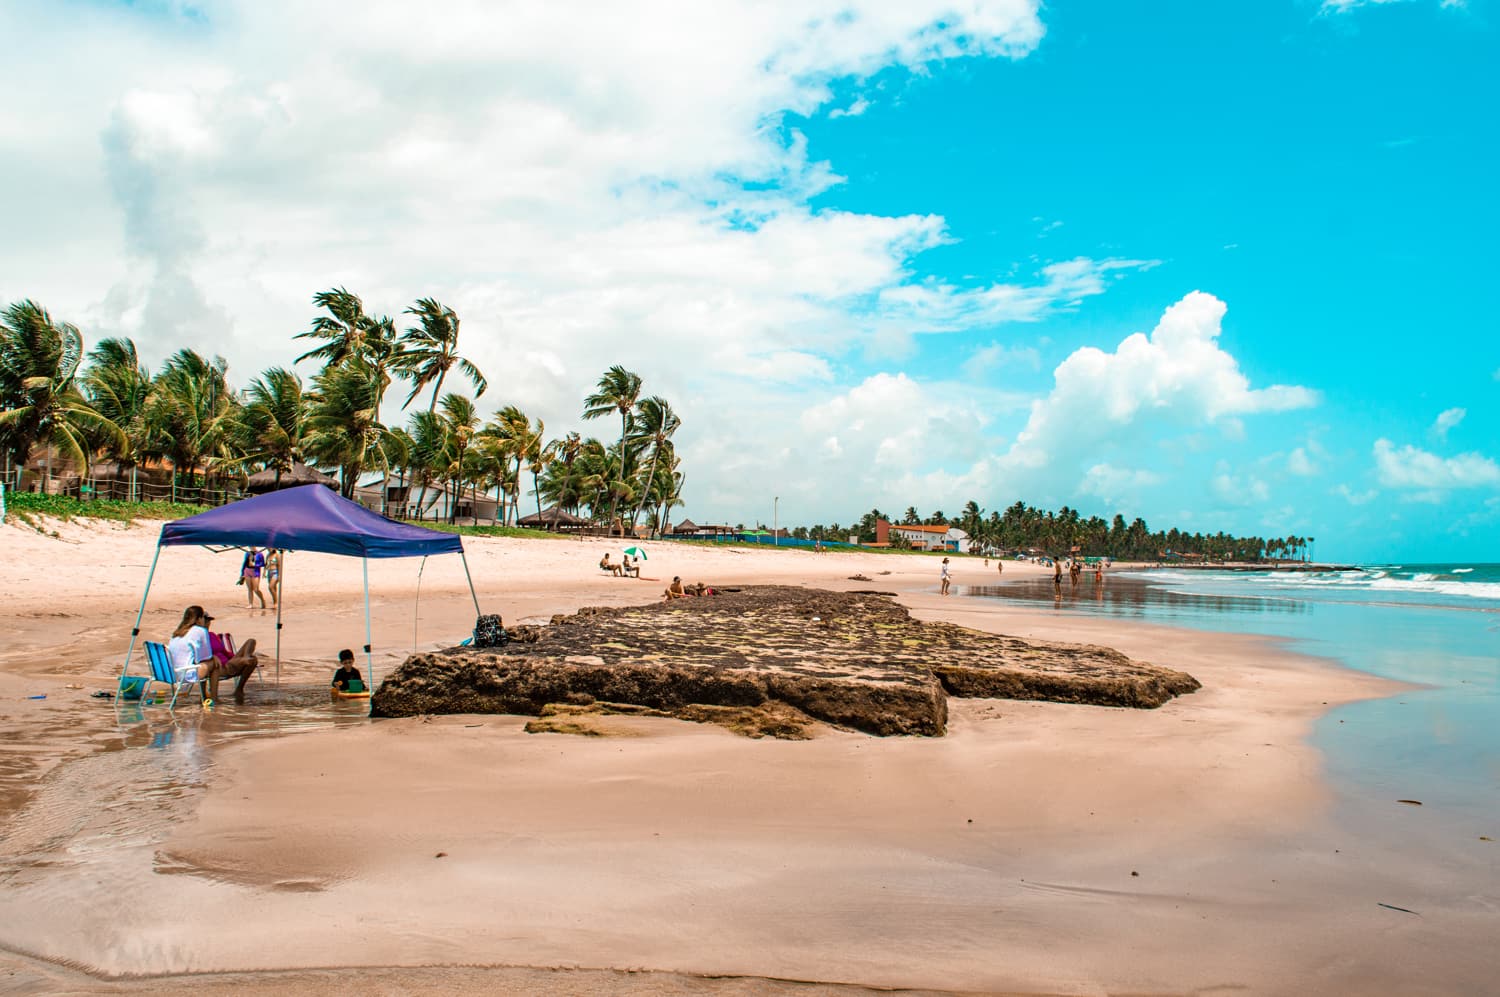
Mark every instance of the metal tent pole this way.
pixel 280 591
pixel 369 654
pixel 470 577
pixel 135 631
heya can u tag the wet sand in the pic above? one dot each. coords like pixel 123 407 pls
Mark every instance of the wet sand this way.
pixel 1038 848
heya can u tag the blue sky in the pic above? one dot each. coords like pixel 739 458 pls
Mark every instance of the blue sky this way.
pixel 875 254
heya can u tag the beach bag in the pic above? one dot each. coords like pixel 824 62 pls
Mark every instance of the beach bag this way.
pixel 489 631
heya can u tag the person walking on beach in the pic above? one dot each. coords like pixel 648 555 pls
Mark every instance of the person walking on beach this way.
pixel 945 577
pixel 250 571
pixel 1057 575
pixel 273 576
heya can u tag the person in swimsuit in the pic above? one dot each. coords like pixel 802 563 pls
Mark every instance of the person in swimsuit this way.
pixel 254 564
pixel 675 590
pixel 273 576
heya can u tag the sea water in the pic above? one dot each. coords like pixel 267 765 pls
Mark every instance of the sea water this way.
pixel 1435 626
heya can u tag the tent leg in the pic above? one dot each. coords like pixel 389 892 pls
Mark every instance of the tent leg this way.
pixel 135 631
pixel 369 654
pixel 280 591
pixel 470 577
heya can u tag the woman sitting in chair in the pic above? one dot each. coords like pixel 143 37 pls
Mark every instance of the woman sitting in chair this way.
pixel 191 650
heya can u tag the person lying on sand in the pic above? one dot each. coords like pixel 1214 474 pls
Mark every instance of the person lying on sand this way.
pixel 348 678
pixel 607 565
pixel 191 649
pixel 674 591
pixel 701 589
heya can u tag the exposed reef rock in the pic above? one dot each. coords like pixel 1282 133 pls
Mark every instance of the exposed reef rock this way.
pixel 766 661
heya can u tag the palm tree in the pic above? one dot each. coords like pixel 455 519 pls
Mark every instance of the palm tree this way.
pixel 429 350
pixel 425 453
pixel 656 425
pixel 460 423
pixel 39 400
pixel 189 413
pixel 118 386
pixel 343 425
pixel 618 391
pixel 346 331
pixel 274 419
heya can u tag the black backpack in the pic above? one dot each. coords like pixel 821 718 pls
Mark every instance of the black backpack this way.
pixel 489 631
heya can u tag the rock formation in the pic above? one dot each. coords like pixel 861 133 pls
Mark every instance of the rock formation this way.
pixel 765 660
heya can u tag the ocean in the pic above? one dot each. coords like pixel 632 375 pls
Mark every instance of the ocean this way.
pixel 1435 626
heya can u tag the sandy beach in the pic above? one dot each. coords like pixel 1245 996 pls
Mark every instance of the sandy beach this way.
pixel 288 844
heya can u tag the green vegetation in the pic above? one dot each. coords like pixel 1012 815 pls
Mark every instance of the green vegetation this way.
pixel 27 506
pixel 108 406
pixel 1022 528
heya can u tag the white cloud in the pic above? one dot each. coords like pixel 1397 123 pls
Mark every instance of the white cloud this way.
pixel 1446 420
pixel 1235 490
pixel 1409 467
pixel 1117 486
pixel 1343 6
pixel 1300 464
pixel 1356 498
pixel 1176 378
pixel 854 110
pixel 994 356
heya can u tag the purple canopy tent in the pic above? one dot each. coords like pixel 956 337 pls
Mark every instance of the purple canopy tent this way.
pixel 310 517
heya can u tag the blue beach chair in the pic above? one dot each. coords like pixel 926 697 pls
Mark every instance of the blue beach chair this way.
pixel 162 671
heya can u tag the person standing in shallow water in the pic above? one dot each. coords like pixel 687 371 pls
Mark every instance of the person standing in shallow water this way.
pixel 250 571
pixel 945 577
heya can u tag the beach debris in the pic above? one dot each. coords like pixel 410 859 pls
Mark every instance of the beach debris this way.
pixel 102 694
pixel 1134 873
pixel 441 855
pixel 1403 910
pixel 859 578
pixel 41 696
pixel 1485 838
pixel 1411 803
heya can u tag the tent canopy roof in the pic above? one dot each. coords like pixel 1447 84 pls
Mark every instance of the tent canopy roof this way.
pixel 309 517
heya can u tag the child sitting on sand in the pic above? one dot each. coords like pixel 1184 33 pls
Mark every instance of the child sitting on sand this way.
pixel 348 678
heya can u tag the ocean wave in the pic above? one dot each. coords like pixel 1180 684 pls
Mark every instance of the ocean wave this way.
pixel 1459 571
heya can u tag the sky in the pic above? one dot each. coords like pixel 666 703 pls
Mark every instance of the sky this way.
pixel 1222 266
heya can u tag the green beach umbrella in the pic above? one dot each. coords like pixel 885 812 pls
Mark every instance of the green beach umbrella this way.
pixel 637 552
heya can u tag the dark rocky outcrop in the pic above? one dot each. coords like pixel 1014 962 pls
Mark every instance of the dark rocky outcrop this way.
pixel 765 660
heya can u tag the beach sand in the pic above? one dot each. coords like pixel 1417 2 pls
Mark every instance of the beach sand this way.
pixel 280 846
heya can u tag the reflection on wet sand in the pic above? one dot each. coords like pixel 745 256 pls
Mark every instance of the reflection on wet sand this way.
pixel 131 770
pixel 1131 597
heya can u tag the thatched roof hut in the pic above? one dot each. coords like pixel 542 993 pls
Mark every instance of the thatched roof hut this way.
pixel 300 474
pixel 686 526
pixel 552 518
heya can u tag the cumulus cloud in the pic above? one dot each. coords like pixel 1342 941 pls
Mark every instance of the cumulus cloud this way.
pixel 1300 464
pixel 994 356
pixel 1356 498
pixel 1177 377
pixel 1344 6
pixel 1446 420
pixel 1409 467
pixel 1117 486
pixel 1233 489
